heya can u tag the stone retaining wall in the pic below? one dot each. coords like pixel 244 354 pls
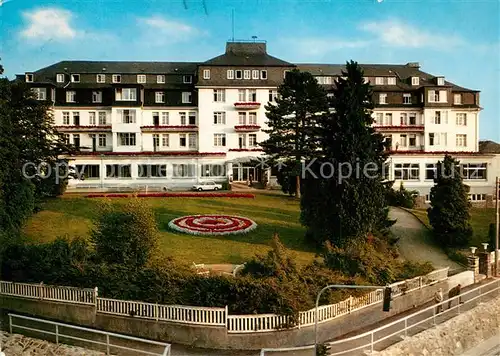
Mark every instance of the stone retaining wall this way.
pixel 454 336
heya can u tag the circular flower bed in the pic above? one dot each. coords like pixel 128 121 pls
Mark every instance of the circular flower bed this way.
pixel 212 224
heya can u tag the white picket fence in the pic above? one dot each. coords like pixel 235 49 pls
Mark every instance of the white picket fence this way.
pixel 270 322
pixel 176 313
pixel 47 292
pixel 212 316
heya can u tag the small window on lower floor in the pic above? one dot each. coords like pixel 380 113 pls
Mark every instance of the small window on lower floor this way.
pixel 183 170
pixel 152 170
pixel 118 171
pixel 88 171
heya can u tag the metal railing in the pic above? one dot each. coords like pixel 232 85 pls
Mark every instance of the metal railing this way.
pixel 97 333
pixel 397 330
pixel 411 324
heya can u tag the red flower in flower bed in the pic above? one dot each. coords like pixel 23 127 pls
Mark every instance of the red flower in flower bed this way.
pixel 212 224
pixel 174 195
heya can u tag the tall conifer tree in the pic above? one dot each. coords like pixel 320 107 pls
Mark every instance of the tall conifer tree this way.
pixel 292 121
pixel 342 206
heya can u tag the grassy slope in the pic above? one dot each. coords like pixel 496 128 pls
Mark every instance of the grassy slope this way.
pixel 72 216
pixel 481 219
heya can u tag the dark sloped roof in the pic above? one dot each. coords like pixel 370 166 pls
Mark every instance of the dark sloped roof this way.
pixel 247 59
pixel 489 147
pixel 246 54
pixel 402 71
pixel 118 67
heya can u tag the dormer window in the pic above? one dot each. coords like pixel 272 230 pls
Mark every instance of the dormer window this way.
pixel 391 81
pixel 415 81
pixel 206 73
pixel 160 79
pixel 440 80
pixel 263 74
pixel 141 78
pixel 239 74
pixel 187 79
pixel 29 78
pixel 255 74
pixel 379 81
pixel 60 78
pixel 101 78
pixel 457 99
pixel 230 74
pixel 117 78
pixel 75 78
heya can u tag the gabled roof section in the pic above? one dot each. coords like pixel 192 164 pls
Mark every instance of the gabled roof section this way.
pixel 247 54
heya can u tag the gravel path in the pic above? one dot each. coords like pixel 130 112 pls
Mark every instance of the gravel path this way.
pixel 415 243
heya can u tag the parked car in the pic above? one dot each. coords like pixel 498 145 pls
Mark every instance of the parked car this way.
pixel 210 185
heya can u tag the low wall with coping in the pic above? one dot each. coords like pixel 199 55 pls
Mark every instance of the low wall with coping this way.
pixel 454 336
pixel 215 337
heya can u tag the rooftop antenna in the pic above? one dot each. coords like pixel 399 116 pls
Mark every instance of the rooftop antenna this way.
pixel 232 21
pixel 254 38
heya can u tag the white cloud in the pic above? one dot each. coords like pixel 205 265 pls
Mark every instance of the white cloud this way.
pixel 167 30
pixel 395 33
pixel 48 24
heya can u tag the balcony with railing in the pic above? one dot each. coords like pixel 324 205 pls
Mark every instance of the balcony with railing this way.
pixel 399 128
pixel 170 128
pixel 247 105
pixel 246 128
pixel 81 128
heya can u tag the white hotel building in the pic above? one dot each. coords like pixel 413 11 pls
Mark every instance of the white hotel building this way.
pixel 178 123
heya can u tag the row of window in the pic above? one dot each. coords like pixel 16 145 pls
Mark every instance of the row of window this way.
pixel 411 171
pixel 408 119
pixel 244 95
pixel 245 74
pixel 98 140
pixel 472 197
pixel 220 118
pixel 435 139
pixel 163 140
pixel 434 96
pixel 121 94
pixel 92 171
pixel 115 78
pixel 127 116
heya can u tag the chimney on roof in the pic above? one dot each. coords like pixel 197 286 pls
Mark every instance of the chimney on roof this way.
pixel 413 64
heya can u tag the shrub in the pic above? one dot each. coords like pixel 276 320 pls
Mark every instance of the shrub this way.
pixel 401 197
pixel 125 234
pixel 361 260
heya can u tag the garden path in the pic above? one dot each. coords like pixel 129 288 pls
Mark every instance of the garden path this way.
pixel 415 243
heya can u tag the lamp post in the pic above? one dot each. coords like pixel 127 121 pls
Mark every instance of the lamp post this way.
pixel 317 303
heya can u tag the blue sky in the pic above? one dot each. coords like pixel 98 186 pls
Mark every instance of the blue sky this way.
pixel 457 39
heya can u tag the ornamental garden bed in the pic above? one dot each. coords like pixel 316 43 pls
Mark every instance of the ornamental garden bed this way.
pixel 212 224
pixel 174 195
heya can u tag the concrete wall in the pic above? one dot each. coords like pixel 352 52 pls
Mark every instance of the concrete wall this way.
pixel 216 337
pixel 454 336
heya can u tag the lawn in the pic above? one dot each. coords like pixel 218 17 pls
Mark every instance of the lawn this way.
pixel 72 216
pixel 480 221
